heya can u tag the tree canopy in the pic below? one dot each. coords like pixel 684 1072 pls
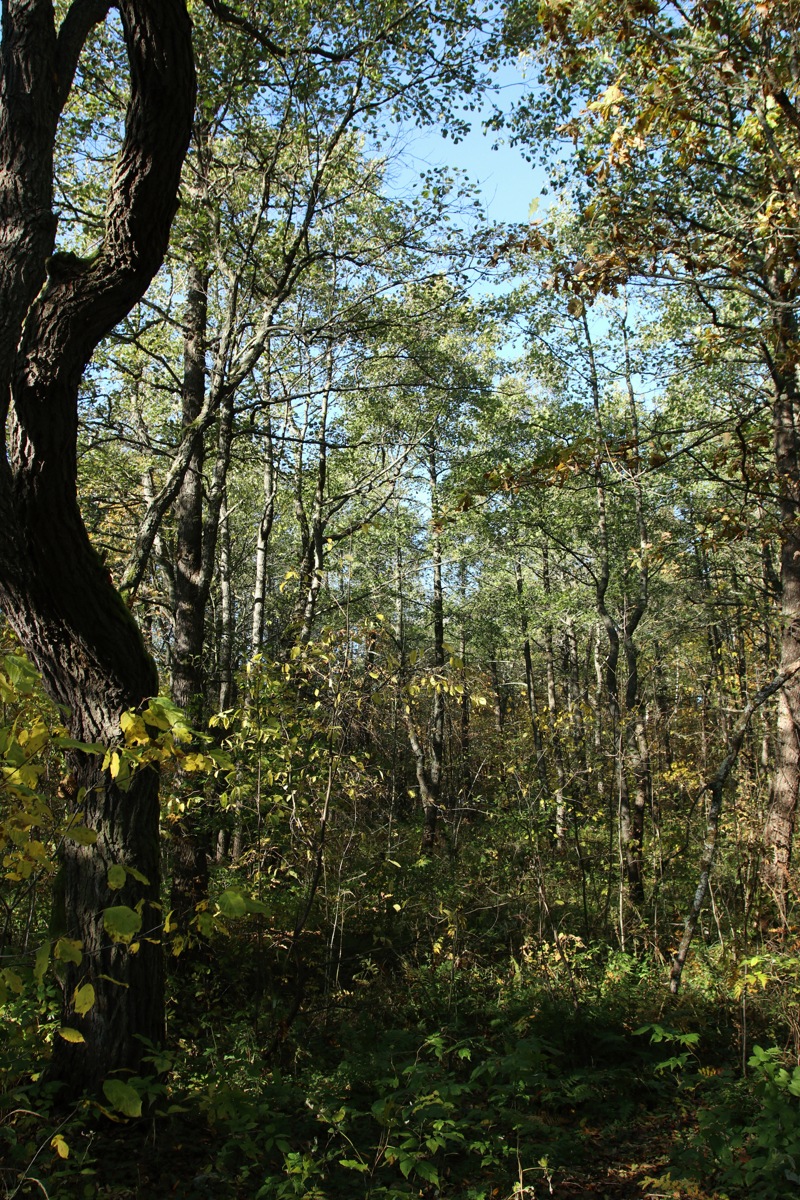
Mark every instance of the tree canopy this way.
pixel 400 643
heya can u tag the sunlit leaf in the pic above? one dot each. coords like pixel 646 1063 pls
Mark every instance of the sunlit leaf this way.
pixel 71 1035
pixel 60 1146
pixel 83 999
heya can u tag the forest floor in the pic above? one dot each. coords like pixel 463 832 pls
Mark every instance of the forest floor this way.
pixel 402 1087
pixel 181 1162
pixel 182 1168
pixel 632 1167
pixel 635 1168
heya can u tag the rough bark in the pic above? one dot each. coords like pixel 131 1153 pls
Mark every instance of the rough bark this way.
pixel 53 587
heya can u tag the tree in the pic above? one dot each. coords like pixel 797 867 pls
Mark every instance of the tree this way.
pixel 54 587
pixel 686 169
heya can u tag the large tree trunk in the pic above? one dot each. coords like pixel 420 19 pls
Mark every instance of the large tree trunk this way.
pixel 54 309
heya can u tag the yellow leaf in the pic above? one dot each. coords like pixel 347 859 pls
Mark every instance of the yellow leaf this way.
pixel 71 1035
pixel 83 999
pixel 604 103
pixel 60 1146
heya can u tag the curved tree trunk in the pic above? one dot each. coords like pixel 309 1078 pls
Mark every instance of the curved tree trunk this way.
pixel 54 309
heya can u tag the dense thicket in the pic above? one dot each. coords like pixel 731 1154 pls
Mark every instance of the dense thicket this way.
pixel 467 558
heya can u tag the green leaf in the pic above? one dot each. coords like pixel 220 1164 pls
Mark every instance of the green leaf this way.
pixel 116 877
pixel 123 1097
pixel 23 676
pixel 82 835
pixel 41 961
pixel 204 923
pixel 138 876
pixel 68 743
pixel 111 979
pixel 121 923
pixel 12 981
pixel 83 999
pixel 426 1170
pixel 69 950
pixel 232 903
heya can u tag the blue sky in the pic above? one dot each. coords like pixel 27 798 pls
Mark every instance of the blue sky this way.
pixel 508 183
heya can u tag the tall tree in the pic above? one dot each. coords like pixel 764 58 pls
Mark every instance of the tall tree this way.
pixel 54 588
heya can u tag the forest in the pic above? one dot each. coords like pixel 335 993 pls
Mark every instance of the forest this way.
pixel 399 608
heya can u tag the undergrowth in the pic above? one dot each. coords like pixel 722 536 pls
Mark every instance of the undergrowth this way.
pixel 502 1090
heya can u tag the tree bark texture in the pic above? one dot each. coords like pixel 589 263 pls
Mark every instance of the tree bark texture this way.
pixel 54 309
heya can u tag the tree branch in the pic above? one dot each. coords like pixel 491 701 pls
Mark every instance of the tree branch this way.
pixel 81 18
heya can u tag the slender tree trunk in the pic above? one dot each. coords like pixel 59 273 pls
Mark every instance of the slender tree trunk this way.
pixel 464 704
pixel 552 707
pixel 262 539
pixel 429 765
pixel 188 675
pixel 530 688
pixel 500 697
pixel 227 612
pixel 629 737
pixel 636 733
pixel 198 507
pixel 779 830
pixel 314 557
